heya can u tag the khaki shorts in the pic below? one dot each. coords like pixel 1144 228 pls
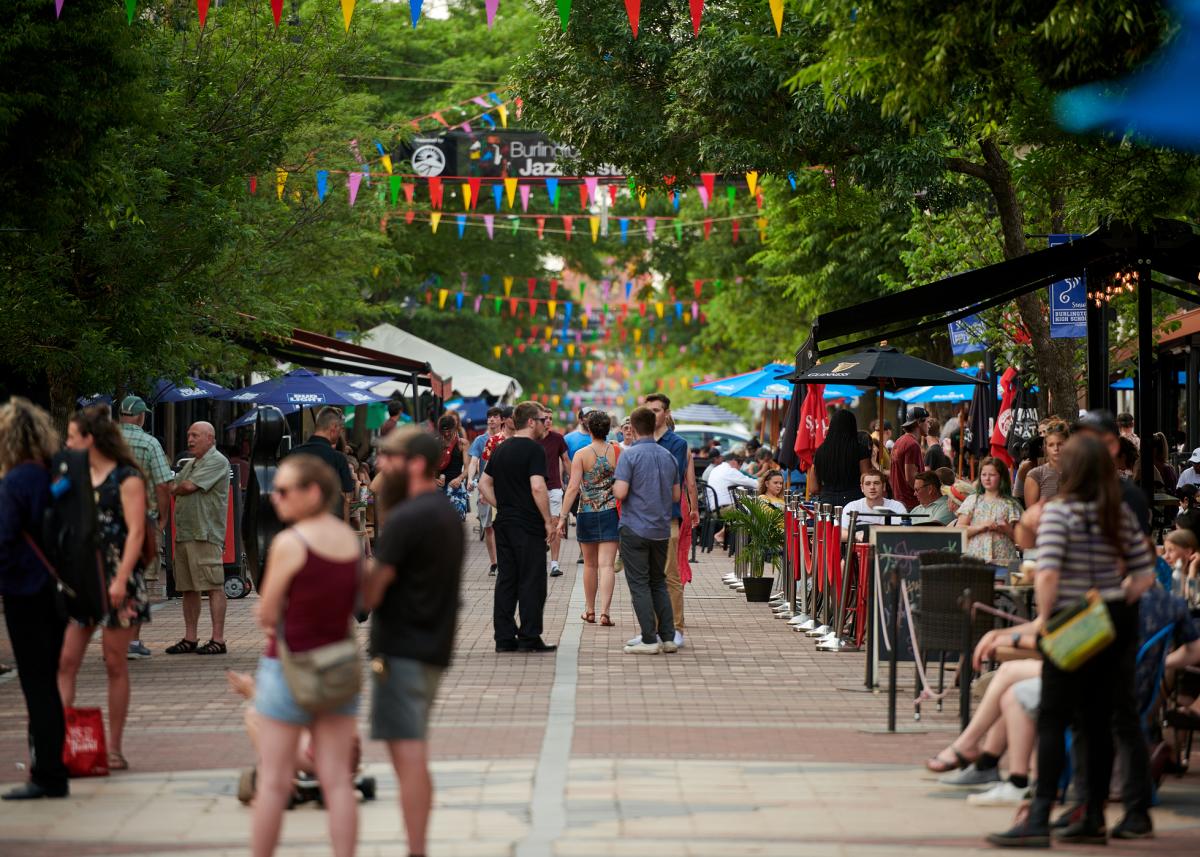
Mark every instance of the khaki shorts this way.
pixel 198 567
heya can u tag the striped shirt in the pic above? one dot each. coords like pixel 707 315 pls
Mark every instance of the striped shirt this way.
pixel 1070 542
pixel 148 453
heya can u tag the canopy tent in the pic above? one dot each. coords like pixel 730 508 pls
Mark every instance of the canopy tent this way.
pixel 465 377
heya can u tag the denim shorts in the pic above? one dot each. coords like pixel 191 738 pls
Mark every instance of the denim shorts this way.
pixel 273 698
pixel 597 526
pixel 402 696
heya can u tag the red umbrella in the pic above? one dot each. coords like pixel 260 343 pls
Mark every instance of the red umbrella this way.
pixel 1005 417
pixel 813 425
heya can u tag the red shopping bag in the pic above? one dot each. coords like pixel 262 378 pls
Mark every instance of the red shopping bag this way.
pixel 85 752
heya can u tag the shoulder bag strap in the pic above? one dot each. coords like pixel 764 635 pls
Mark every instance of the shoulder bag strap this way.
pixel 37 551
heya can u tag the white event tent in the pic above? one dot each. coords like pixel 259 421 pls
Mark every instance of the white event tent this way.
pixel 469 379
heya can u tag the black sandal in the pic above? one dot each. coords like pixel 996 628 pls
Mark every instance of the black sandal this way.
pixel 212 647
pixel 183 647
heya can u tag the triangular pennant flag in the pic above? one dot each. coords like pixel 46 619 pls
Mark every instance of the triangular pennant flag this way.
pixel 591 183
pixel 553 288
pixel 394 183
pixel 253 185
pixel 435 191
pixel 551 306
pixel 730 195
pixel 352 182
pixel 564 12
pixel 58 9
pixel 650 224
pixel 531 284
pixel 612 193
pixel 489 223
pixel 628 289
pixel 201 10
pixel 478 303
pixel 702 192
pixel 512 306
pixel 567 225
pixel 461 220
pixel 442 293
pixel 735 231
pixel 434 219
pixel 777 15
pixel 408 216
pixel 761 223
pixel 641 195
pixel 496 306
pixel 695 309
pixel 384 157
pixel 503 111
pixel 707 227
pixel 280 181
pixel 759 201
pixel 458 301
pixel 414 11
pixel 658 308
pixel 437 114
pixel 348 12
pixel 276 11
pixel 752 182
pixel 322 184
pixel 524 197
pixel 624 224
pixel 678 229
pixel 709 181
pixel 633 8
pixel 583 197
pixel 594 223
pixel 697 7
pixel 675 199
pixel 552 190
pixel 466 196
pixel 508 281
pixel 498 195
pixel 541 226
pixel 473 184
pixel 130 9
pixel 490 7
pixel 510 188
pixel 409 189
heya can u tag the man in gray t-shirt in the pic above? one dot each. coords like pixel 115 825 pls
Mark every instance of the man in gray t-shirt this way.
pixel 647 484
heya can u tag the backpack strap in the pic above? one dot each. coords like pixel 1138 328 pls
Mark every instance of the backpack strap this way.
pixel 37 551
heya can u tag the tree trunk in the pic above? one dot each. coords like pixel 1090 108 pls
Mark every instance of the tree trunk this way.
pixel 1055 358
pixel 61 386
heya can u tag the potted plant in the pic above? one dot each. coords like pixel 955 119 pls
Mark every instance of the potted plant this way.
pixel 761 524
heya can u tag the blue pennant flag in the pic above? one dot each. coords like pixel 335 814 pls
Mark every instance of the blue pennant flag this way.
pixel 486 279
pixel 624 222
pixel 497 195
pixel 462 224
pixel 458 300
pixel 552 190
pixel 322 184
pixel 414 9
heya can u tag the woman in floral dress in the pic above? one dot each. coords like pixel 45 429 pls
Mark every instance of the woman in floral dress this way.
pixel 120 495
pixel 989 514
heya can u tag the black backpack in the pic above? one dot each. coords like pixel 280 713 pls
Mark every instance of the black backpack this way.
pixel 71 539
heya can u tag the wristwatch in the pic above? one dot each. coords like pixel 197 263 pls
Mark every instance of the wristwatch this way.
pixel 1016 640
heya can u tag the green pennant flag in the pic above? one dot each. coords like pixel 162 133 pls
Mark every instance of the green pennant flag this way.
pixel 582 286
pixel 394 183
pixel 564 12
pixel 678 230
pixel 632 182
pixel 130 8
pixel 516 225
pixel 496 304
pixel 717 286
pixel 730 195
pixel 606 310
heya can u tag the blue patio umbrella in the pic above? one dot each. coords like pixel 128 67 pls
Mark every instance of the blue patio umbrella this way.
pixel 471 411
pixel 166 392
pixel 923 395
pixel 761 384
pixel 308 389
pixel 248 418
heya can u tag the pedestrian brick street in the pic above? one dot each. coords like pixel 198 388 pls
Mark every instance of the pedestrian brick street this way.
pixel 747 741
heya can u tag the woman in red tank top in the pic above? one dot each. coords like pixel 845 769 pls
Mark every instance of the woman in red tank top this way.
pixel 310 588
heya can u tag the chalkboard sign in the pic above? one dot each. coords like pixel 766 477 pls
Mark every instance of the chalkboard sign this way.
pixel 896 550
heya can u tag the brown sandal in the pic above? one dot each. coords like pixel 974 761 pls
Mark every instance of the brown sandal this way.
pixel 589 617
pixel 117 762
pixel 607 621
pixel 940 766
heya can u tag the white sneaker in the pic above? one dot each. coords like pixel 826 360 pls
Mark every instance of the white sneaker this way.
pixel 1002 794
pixel 668 647
pixel 640 648
pixel 633 641
pixel 679 639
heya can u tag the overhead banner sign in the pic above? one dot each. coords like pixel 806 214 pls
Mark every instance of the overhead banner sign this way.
pixel 1068 301
pixel 966 335
pixel 491 154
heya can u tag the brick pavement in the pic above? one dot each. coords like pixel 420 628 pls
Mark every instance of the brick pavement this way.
pixel 747 741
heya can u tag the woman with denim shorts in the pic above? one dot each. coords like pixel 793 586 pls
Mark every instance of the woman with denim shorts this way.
pixel 592 476
pixel 309 595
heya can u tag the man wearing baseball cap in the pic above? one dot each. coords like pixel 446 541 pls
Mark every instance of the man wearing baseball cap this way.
pixel 1102 425
pixel 148 453
pixel 907 460
pixel 1190 476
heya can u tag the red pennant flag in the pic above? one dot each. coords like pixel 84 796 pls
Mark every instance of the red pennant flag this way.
pixel 553 289
pixel 697 12
pixel 707 227
pixel 408 192
pixel 533 308
pixel 408 216
pixel 642 308
pixel 633 8
pixel 735 231
pixel 697 287
pixel 512 306
pixel 759 199
pixel 277 11
pixel 532 284
pixel 567 225
pixel 435 192
pixel 541 226
pixel 583 197
pixel 473 184
pixel 202 11
pixel 253 184
pixel 709 180
pixel 612 193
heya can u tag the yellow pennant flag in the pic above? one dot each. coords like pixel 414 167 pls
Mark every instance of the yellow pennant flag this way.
pixel 642 198
pixel 280 181
pixel 442 293
pixel 570 349
pixel 594 222
pixel 752 182
pixel 510 188
pixel 637 335
pixel 687 316
pixel 348 13
pixel 547 332
pixel 386 160
pixel 658 308
pixel 496 351
pixel 466 189
pixel 583 319
pixel 434 219
pixel 777 15
pixel 508 281
pixel 762 228
pixel 503 111
pixel 551 306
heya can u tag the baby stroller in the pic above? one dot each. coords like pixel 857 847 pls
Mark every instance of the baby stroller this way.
pixel 305 787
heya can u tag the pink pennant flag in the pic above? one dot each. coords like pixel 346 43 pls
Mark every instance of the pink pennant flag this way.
pixel 651 222
pixel 489 222
pixel 591 183
pixel 524 197
pixel 702 192
pixel 58 11
pixel 352 182
pixel 490 6
pixel 695 309
pixel 478 99
pixel 478 301
pixel 466 126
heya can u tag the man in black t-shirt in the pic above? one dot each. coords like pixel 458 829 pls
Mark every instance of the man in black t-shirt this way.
pixel 515 485
pixel 413 590
pixel 322 443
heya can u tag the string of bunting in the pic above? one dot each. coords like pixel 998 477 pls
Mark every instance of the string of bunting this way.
pixel 633 9
pixel 686 311
pixel 649 224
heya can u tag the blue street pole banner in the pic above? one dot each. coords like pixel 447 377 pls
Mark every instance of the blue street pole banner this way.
pixel 966 335
pixel 1068 301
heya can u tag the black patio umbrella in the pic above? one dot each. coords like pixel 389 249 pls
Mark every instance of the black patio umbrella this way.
pixel 883 368
pixel 977 432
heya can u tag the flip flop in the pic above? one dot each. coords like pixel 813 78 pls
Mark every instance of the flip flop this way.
pixel 940 766
pixel 117 762
pixel 589 617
